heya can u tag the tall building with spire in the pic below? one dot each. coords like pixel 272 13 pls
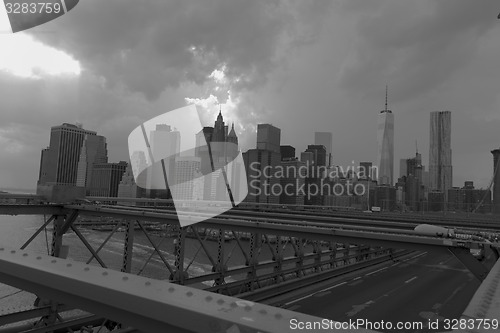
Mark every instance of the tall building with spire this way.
pixel 385 140
pixel 220 129
pixel 220 149
pixel 440 165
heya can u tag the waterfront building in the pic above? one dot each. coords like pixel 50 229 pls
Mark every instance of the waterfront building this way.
pixel 59 161
pixel 106 178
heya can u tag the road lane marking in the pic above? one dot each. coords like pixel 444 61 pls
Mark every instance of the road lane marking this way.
pixel 413 278
pixel 376 271
pixel 317 292
pixel 357 278
pixel 418 255
pixel 335 286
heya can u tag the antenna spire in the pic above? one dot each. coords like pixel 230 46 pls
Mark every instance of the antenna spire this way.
pixel 386 88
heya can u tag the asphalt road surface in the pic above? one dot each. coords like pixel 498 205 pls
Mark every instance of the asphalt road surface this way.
pixel 426 288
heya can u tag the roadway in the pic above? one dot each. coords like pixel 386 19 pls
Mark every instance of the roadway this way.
pixel 420 288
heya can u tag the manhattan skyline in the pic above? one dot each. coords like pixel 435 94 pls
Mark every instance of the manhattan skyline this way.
pixel 305 67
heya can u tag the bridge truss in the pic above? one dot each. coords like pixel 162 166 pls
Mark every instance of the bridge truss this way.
pixel 300 253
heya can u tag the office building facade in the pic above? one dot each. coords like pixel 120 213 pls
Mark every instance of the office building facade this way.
pixel 268 138
pixel 106 178
pixel 440 159
pixel 93 151
pixel 59 162
pixel 325 139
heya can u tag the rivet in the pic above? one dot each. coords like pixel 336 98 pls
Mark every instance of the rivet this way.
pixel 125 278
pixel 69 265
pixel 171 289
pixel 104 273
pixel 263 311
pixel 189 293
pixel 53 261
pixel 233 304
pixel 209 298
pixel 278 316
pixel 220 301
pixel 13 251
pixel 147 283
pixel 39 258
pixel 25 254
pixel 86 269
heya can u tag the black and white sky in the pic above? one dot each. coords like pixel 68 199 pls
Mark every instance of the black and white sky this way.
pixel 301 65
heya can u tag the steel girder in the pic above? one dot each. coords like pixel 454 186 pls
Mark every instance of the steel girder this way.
pixel 148 305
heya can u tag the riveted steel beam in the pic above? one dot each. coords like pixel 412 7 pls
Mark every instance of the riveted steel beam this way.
pixel 142 303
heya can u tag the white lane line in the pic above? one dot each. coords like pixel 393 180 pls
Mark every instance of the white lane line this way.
pixel 357 278
pixel 376 271
pixel 395 264
pixel 335 286
pixel 413 278
pixel 307 296
pixel 418 255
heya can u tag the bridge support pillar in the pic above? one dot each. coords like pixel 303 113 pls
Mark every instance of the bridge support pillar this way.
pixel 179 243
pixel 253 258
pixel 299 253
pixel 347 250
pixel 278 259
pixel 128 247
pixel 333 254
pixel 57 248
pixel 220 266
pixel 317 259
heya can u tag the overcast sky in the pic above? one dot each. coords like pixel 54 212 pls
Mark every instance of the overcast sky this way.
pixel 303 66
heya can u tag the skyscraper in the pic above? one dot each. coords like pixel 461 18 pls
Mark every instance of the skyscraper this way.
pixel 261 164
pixel 164 142
pixel 325 139
pixel 106 178
pixel 413 185
pixel 59 162
pixel 268 137
pixel 316 174
pixel 93 151
pixel 365 171
pixel 385 140
pixel 287 152
pixel 220 130
pixel 128 187
pixel 440 166
pixel 496 181
pixel 188 178
pixel 319 155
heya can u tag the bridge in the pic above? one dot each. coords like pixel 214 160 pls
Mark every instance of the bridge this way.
pixel 281 252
